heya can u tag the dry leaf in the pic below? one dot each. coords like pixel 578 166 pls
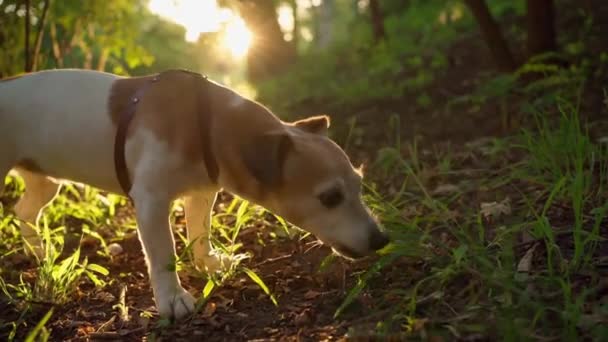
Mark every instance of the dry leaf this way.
pixel 105 296
pixel 445 189
pixel 525 264
pixel 312 294
pixel 496 209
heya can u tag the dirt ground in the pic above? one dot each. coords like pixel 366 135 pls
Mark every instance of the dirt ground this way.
pixel 239 310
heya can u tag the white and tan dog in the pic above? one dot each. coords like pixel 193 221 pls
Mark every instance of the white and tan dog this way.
pixel 62 124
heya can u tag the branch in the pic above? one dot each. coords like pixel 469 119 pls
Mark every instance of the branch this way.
pixel 40 34
pixel 56 48
pixel 492 35
pixel 28 67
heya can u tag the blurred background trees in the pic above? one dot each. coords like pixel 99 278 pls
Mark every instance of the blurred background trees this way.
pixel 300 52
pixel 124 36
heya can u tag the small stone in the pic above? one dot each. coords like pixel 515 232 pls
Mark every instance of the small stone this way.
pixel 115 249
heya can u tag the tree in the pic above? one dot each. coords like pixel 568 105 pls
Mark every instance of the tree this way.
pixel 295 39
pixel 324 32
pixel 540 21
pixel 540 29
pixel 39 35
pixel 26 50
pixel 492 35
pixel 269 53
pixel 165 41
pixel 91 34
pixel 377 18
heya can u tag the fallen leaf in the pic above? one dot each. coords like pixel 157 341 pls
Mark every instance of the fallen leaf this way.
pixel 311 294
pixel 496 209
pixel 525 264
pixel 445 189
pixel 105 296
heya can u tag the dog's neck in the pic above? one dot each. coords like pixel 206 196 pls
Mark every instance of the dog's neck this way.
pixel 244 120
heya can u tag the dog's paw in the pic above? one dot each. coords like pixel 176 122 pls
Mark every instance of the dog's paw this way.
pixel 178 305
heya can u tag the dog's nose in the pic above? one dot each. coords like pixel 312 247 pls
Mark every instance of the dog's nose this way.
pixel 378 239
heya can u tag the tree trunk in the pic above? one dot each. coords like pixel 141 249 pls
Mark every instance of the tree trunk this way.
pixel 40 34
pixel 269 53
pixel 492 35
pixel 103 59
pixel 28 65
pixel 377 18
pixel 56 48
pixel 325 24
pixel 295 39
pixel 540 20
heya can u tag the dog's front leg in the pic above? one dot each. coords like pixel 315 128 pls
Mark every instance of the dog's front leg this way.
pixel 155 234
pixel 199 208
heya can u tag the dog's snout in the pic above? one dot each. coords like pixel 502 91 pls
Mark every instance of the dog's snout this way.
pixel 378 239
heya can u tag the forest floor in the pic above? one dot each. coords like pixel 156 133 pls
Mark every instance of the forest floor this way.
pixel 462 185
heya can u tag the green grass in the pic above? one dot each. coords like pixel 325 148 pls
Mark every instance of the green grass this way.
pixel 477 279
pixel 59 271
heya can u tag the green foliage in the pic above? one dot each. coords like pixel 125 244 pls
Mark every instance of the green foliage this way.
pixel 39 330
pixel 476 265
pixel 362 71
pixel 256 278
pixel 57 279
pixel 164 42
pixel 78 34
pixel 566 151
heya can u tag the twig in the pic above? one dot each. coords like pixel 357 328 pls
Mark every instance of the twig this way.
pixel 110 335
pixel 102 328
pixel 113 335
pixel 122 306
pixel 268 261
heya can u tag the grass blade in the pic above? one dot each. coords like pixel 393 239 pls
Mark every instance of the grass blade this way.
pixel 261 284
pixel 31 337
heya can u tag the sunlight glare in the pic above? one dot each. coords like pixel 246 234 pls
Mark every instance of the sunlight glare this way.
pixel 199 16
pixel 237 37
pixel 196 16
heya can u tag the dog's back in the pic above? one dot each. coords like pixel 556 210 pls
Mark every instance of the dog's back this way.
pixel 52 121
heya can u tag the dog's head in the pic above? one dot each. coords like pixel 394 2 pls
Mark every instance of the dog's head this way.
pixel 308 179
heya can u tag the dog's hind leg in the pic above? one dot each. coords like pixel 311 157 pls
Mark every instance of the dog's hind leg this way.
pixel 199 208
pixel 39 191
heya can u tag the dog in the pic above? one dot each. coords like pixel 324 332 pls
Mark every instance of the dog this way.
pixel 177 135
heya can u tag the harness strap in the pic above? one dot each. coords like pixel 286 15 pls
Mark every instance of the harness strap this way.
pixel 120 163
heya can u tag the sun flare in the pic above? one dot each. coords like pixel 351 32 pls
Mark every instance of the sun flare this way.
pixel 199 16
pixel 237 38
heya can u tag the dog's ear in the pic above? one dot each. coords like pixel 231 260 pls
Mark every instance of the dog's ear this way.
pixel 265 156
pixel 314 124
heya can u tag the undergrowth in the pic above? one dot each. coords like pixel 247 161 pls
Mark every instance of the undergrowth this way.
pixel 517 268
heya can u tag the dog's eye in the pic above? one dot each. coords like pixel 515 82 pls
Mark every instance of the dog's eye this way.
pixel 331 198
